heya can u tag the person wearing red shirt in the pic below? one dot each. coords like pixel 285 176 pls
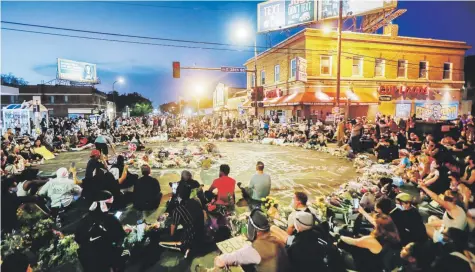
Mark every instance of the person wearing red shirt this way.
pixel 225 186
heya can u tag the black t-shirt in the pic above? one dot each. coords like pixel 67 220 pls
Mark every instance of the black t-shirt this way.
pixel 442 183
pixel 399 219
pixel 10 204
pixel 100 236
pixel 449 263
pixel 414 228
pixel 147 193
pixel 92 165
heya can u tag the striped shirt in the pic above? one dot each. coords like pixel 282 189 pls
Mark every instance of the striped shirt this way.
pixel 191 217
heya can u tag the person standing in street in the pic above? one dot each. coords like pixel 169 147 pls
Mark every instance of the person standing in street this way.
pixel 356 132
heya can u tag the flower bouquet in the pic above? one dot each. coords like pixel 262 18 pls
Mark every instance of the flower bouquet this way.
pixel 61 253
pixel 270 206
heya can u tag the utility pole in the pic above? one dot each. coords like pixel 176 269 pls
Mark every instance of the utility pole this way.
pixel 338 62
pixel 255 77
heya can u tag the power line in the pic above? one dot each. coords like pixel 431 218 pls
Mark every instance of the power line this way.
pixel 169 7
pixel 210 43
pixel 327 52
pixel 123 41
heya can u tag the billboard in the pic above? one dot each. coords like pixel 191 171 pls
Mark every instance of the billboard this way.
pixel 329 8
pixel 437 111
pixel 279 14
pixel 77 71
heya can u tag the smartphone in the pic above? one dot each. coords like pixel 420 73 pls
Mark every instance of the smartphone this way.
pixel 356 203
pixel 118 214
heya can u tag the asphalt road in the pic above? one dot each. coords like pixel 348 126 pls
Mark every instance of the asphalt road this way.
pixel 291 168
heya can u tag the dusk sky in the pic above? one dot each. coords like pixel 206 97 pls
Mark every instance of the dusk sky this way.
pixel 147 68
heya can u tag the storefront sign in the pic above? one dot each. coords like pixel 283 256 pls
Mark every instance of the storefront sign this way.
pixel 301 69
pixel 274 93
pixel 335 110
pixel 385 98
pixel 410 92
pixel 437 111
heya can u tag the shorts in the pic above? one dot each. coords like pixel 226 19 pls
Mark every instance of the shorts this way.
pixel 102 147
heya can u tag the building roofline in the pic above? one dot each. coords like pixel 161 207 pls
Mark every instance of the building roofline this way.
pixel 288 40
pixel 381 38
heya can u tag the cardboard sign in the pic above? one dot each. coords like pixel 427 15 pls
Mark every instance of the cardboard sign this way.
pixel 232 244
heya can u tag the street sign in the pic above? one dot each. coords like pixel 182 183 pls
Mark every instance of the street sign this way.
pixel 233 69
pixel 301 74
pixel 385 98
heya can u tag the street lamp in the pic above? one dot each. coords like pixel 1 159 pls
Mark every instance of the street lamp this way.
pixel 119 80
pixel 199 89
pixel 243 32
pixel 326 29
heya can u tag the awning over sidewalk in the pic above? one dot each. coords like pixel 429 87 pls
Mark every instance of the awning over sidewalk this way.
pixel 321 99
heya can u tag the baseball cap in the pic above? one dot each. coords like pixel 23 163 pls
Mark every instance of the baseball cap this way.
pixel 404 197
pixel 95 153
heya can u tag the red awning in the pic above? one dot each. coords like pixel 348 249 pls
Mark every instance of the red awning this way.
pixel 320 99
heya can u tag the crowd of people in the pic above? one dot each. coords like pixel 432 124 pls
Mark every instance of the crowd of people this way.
pixel 402 233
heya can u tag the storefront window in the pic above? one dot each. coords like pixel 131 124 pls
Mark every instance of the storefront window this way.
pixel 263 77
pixel 66 99
pixel 402 68
pixel 325 65
pixel 379 68
pixel 447 70
pixel 357 66
pixel 293 68
pixel 51 99
pixel 423 68
pixel 251 79
pixel 277 73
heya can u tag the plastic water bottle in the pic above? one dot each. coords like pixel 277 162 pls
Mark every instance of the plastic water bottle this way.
pixel 244 229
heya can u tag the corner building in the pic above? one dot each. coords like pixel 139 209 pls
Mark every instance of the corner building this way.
pixel 383 73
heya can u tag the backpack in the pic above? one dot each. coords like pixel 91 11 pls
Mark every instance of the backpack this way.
pixel 315 218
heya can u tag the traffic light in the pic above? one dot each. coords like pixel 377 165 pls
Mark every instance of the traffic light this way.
pixel 260 93
pixel 176 69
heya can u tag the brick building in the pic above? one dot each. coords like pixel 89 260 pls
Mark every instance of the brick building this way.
pixel 387 73
pixel 62 100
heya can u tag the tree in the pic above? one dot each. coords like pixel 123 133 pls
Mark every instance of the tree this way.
pixel 12 81
pixel 129 99
pixel 170 107
pixel 141 109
